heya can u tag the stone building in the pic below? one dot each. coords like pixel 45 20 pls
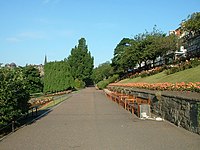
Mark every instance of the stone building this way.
pixel 40 68
pixel 191 42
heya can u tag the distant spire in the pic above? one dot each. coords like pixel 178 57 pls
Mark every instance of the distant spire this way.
pixel 45 60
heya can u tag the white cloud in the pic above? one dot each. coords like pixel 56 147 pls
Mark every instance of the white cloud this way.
pixel 105 25
pixel 23 36
pixel 31 35
pixel 13 40
pixel 50 1
pixel 46 1
pixel 40 35
pixel 64 33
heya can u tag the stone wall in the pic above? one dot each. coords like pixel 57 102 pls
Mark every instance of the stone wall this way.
pixel 180 108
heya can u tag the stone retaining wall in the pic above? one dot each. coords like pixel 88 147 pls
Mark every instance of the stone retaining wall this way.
pixel 182 109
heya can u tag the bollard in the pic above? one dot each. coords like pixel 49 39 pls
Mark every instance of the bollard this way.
pixel 32 111
pixel 13 126
pixel 36 111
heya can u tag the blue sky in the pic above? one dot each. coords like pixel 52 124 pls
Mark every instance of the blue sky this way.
pixel 29 29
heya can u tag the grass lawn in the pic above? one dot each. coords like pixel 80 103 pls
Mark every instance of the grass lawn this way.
pixel 35 95
pixel 55 102
pixel 189 75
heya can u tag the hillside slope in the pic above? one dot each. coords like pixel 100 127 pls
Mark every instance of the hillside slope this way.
pixel 189 75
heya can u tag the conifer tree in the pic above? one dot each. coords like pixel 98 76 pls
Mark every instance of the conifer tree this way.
pixel 81 62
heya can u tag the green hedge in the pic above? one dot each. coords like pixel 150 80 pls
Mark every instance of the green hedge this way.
pixel 102 84
pixel 57 77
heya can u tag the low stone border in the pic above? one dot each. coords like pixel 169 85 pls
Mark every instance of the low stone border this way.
pixel 180 108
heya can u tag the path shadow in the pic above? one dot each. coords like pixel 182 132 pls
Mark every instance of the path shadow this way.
pixel 32 118
pixel 25 120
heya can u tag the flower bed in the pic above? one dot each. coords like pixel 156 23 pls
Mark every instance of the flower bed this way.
pixel 40 101
pixel 183 66
pixel 170 69
pixel 193 87
pixel 146 73
pixel 60 93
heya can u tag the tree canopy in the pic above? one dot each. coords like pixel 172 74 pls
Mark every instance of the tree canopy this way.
pixel 14 95
pixel 144 47
pixel 192 23
pixel 103 71
pixel 81 62
pixel 32 78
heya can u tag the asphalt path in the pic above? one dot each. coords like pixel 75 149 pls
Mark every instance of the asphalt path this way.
pixel 90 121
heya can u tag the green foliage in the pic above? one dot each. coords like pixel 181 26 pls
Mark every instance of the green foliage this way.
pixel 113 78
pixel 144 47
pixel 192 23
pixel 72 72
pixel 153 71
pixel 102 84
pixel 198 113
pixel 32 80
pixel 122 55
pixel 78 84
pixel 81 62
pixel 57 77
pixel 14 95
pixel 103 71
pixel 183 66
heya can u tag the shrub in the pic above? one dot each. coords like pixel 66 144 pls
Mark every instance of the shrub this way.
pixel 150 72
pixel 14 95
pixel 102 84
pixel 78 84
pixel 183 66
pixel 195 62
pixel 113 78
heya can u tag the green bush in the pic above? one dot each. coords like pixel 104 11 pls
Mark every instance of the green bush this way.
pixel 78 84
pixel 14 95
pixel 150 72
pixel 195 62
pixel 183 66
pixel 113 78
pixel 144 74
pixel 102 84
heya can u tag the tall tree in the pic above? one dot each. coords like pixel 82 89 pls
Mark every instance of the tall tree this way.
pixel 143 48
pixel 192 23
pixel 81 62
pixel 32 79
pixel 118 61
pixel 103 71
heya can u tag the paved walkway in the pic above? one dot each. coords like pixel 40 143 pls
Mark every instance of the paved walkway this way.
pixel 88 120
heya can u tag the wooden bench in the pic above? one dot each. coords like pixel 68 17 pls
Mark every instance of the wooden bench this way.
pixel 117 97
pixel 129 102
pixel 126 99
pixel 134 106
pixel 108 93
